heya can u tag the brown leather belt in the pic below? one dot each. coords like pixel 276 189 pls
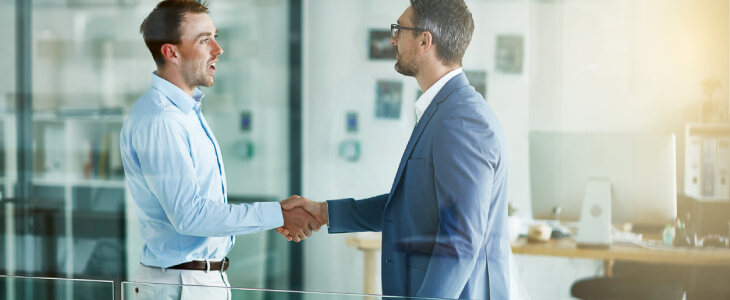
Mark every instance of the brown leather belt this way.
pixel 200 265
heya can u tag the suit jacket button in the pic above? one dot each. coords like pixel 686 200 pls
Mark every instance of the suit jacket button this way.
pixel 388 260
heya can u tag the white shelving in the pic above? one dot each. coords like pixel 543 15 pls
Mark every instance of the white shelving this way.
pixel 90 183
pixel 83 150
pixel 707 162
pixel 76 160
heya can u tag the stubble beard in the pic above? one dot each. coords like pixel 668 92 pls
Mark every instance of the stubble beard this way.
pixel 405 68
pixel 196 76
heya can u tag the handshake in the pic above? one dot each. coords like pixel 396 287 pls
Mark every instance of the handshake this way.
pixel 301 217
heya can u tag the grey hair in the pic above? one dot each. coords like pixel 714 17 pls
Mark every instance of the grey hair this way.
pixel 449 22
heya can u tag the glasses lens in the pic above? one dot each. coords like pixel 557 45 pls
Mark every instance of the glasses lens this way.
pixel 394 32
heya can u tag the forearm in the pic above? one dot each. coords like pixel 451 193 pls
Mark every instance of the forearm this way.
pixel 210 219
pixel 324 212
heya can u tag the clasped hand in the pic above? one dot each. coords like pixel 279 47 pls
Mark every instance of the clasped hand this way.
pixel 301 217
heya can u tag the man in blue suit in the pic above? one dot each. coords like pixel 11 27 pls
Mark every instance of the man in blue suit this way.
pixel 444 222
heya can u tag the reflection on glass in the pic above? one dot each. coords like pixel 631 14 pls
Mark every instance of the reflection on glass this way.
pixel 135 290
pixel 248 109
pixel 7 136
pixel 36 288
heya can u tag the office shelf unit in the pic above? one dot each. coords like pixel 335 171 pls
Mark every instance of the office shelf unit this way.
pixel 707 162
pixel 707 179
pixel 78 173
pixel 78 200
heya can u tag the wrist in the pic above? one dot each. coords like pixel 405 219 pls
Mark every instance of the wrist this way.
pixel 324 213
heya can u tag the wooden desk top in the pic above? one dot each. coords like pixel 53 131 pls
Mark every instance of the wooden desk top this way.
pixel 364 243
pixel 676 256
pixel 568 248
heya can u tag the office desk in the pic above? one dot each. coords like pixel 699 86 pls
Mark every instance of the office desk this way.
pixel 673 256
pixel 368 246
pixel 568 248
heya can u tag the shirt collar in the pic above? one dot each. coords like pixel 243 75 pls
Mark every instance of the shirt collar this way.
pixel 176 95
pixel 425 100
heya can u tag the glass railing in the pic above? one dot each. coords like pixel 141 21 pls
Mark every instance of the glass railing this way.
pixel 150 291
pixel 41 288
pixel 46 288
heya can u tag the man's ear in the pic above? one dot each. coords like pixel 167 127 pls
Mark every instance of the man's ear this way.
pixel 426 40
pixel 170 52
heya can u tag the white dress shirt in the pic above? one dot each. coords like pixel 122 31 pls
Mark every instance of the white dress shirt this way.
pixel 425 100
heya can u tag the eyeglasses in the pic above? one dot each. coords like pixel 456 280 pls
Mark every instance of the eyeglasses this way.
pixel 395 30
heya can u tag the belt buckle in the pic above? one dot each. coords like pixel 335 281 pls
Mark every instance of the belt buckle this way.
pixel 207 266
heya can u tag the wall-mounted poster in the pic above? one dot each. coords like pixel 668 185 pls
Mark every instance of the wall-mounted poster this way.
pixel 380 46
pixel 388 96
pixel 509 54
pixel 478 79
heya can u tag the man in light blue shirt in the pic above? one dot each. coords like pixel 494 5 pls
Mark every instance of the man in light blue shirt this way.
pixel 174 167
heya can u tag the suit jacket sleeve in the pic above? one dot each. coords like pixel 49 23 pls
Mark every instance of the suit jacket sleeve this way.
pixel 465 156
pixel 348 215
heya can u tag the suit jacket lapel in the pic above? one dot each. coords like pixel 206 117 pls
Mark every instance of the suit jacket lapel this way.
pixel 451 86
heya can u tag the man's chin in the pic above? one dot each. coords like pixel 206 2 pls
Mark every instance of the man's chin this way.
pixel 209 83
pixel 399 68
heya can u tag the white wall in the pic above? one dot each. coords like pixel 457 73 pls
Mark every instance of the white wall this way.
pixel 338 77
pixel 626 65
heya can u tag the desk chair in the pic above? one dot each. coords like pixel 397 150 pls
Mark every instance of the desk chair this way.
pixel 633 281
pixel 626 289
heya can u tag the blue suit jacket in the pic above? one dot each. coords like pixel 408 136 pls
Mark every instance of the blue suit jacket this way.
pixel 444 221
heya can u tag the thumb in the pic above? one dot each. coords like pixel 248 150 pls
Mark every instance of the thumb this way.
pixel 292 202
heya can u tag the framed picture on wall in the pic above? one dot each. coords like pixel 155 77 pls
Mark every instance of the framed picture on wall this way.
pixel 388 98
pixel 380 46
pixel 509 54
pixel 478 79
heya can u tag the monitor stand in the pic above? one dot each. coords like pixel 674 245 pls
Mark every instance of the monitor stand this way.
pixel 594 228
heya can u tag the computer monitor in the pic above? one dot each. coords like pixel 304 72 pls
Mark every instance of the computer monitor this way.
pixel 641 168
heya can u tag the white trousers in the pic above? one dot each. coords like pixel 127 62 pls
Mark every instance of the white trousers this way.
pixel 206 285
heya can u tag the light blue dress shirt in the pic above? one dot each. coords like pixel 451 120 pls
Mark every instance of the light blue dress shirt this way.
pixel 176 177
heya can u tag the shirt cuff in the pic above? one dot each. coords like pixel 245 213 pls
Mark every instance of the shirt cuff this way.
pixel 334 205
pixel 271 215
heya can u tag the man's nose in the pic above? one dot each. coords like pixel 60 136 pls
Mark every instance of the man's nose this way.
pixel 218 50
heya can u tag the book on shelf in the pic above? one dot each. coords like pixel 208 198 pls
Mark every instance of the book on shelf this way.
pixel 104 158
pixel 707 166
pixel 722 168
pixel 88 111
pixel 54 150
pixel 709 147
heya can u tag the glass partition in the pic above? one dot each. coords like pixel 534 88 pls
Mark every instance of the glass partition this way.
pixel 89 66
pixel 7 133
pixel 143 291
pixel 42 288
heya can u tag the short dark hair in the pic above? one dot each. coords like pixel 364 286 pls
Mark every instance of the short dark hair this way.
pixel 449 22
pixel 162 25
